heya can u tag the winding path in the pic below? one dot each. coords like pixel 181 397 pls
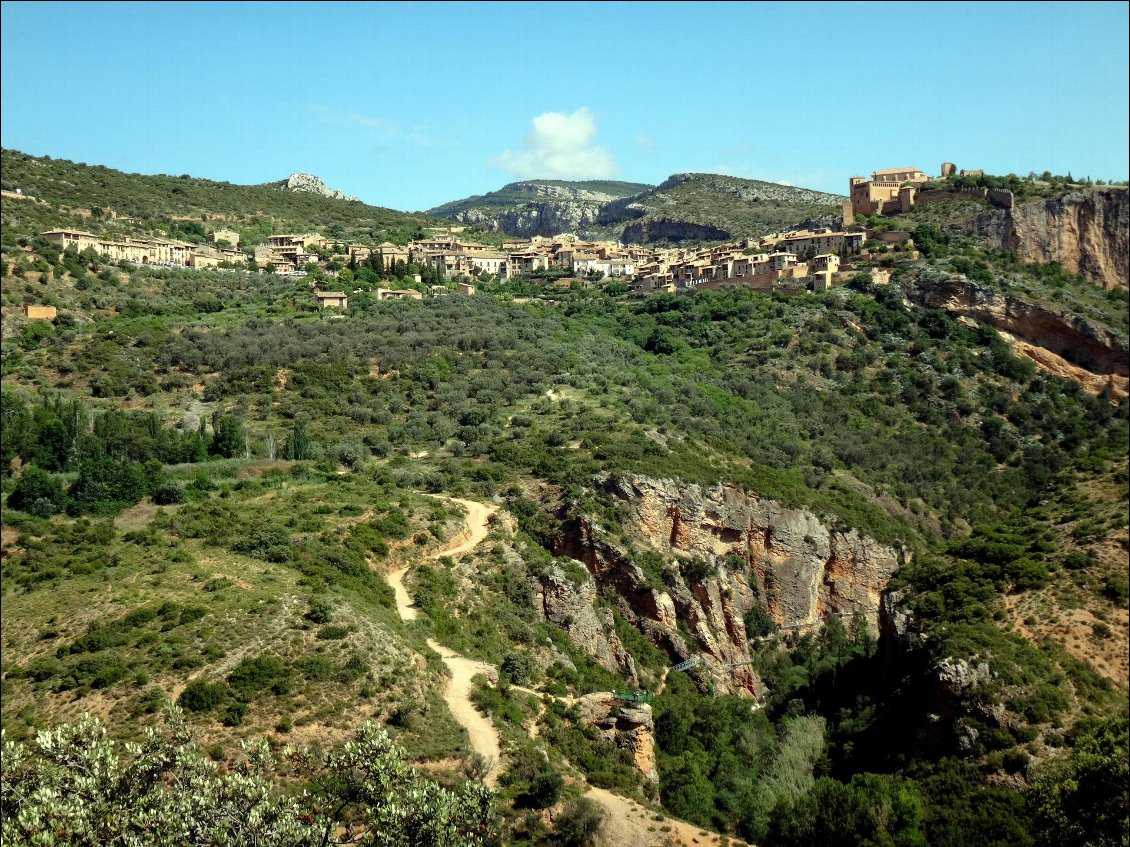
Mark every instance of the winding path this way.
pixel 626 821
pixel 484 737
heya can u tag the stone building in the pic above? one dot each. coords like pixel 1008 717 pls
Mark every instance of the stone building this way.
pixel 888 190
pixel 144 251
pixel 331 299
pixel 40 313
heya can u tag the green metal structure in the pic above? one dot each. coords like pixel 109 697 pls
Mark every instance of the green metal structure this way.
pixel 633 696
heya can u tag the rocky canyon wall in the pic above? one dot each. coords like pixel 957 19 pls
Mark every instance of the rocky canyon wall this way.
pixel 725 553
pixel 1087 232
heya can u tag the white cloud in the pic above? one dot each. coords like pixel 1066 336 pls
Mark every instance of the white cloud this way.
pixel 644 140
pixel 559 146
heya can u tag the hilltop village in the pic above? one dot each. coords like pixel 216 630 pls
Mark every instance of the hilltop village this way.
pixel 813 259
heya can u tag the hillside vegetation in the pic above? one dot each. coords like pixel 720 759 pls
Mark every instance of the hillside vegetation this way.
pixel 113 203
pixel 731 206
pixel 207 481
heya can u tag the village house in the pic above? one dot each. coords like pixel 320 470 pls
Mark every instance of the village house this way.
pixel 491 262
pixel 289 252
pixel 822 271
pixel 331 299
pixel 526 262
pixel 40 313
pixel 406 294
pixel 808 244
pixel 144 251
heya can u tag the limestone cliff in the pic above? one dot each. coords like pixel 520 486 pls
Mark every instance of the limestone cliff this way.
pixel 531 208
pixel 672 229
pixel 312 185
pixel 689 206
pixel 571 605
pixel 548 217
pixel 1086 231
pixel 1078 341
pixel 727 552
pixel 629 726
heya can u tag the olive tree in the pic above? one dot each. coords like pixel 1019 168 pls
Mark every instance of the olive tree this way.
pixel 73 785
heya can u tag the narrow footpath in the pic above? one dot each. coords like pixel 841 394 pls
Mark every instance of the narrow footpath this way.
pixel 626 821
pixel 484 737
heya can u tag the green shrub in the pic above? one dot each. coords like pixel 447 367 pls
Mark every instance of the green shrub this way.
pixel 320 611
pixel 38 493
pixel 579 822
pixel 169 494
pixel 254 676
pixel 544 790
pixel 201 696
pixel 518 668
pixel 234 714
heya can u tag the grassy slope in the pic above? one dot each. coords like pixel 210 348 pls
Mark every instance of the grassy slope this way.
pixel 240 607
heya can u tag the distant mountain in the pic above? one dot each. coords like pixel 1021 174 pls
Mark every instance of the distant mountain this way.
pixel 713 206
pixel 685 206
pixel 539 207
pixel 112 202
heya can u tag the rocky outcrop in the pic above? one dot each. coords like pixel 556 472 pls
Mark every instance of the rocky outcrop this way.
pixel 649 230
pixel 526 209
pixel 630 726
pixel 802 569
pixel 1087 232
pixel 529 219
pixel 313 185
pixel 572 606
pixel 1068 336
pixel 725 552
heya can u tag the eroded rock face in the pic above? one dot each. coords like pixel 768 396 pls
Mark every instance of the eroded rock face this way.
pixel 671 229
pixel 802 569
pixel 1087 232
pixel 571 606
pixel 629 726
pixel 550 217
pixel 1068 336
pixel 550 210
pixel 313 185
pixel 749 552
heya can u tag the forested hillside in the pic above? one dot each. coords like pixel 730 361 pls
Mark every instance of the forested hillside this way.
pixel 214 493
pixel 92 197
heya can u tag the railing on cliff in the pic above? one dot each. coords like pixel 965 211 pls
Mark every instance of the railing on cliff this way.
pixel 633 696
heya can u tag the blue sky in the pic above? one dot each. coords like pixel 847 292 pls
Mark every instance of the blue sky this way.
pixel 411 105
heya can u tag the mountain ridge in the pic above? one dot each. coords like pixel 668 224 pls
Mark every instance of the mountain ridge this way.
pixel 689 205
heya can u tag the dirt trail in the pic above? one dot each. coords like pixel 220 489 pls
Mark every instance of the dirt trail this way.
pixel 629 822
pixel 457 694
pixel 626 821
